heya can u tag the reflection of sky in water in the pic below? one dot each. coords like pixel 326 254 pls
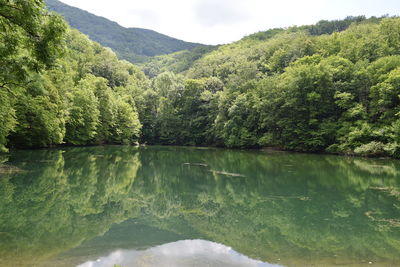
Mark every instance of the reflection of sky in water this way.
pixel 185 253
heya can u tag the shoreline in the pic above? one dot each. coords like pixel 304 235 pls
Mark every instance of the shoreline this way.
pixel 259 149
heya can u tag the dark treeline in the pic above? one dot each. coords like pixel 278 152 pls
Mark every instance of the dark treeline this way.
pixel 331 87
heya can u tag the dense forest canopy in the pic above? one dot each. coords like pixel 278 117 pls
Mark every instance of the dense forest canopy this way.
pixel 330 87
pixel 58 86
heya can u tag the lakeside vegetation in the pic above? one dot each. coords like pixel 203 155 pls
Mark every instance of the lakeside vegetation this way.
pixel 331 87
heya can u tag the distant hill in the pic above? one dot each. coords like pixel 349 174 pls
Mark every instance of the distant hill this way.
pixel 182 61
pixel 133 44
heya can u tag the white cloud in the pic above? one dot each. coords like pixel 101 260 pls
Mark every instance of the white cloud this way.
pixel 143 16
pixel 223 21
pixel 211 13
pixel 185 253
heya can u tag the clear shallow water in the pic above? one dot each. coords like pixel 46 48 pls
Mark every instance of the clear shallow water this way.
pixel 74 206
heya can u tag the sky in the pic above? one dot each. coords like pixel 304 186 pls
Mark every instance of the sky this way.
pixel 225 21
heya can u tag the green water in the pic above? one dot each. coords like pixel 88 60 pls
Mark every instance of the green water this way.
pixel 72 206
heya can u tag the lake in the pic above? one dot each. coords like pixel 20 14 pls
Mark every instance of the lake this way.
pixel 175 206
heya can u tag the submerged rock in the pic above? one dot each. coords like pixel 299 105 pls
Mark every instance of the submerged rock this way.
pixel 8 169
pixel 196 164
pixel 227 173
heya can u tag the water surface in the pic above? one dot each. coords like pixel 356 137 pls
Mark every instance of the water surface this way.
pixel 171 206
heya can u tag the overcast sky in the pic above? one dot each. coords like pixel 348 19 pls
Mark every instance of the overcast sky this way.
pixel 224 21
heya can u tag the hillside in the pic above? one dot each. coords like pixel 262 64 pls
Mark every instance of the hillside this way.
pixel 330 87
pixel 182 61
pixel 132 44
pixel 177 62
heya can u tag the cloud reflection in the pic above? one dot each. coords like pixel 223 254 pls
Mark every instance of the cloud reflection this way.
pixel 185 253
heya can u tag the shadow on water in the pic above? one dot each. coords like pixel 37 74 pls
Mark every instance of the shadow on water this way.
pixel 76 205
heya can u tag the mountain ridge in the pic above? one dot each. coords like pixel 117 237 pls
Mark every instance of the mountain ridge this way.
pixel 132 44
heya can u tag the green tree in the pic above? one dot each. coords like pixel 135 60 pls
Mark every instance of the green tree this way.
pixel 8 119
pixel 30 41
pixel 83 120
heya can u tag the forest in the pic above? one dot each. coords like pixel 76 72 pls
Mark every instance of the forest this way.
pixel 331 87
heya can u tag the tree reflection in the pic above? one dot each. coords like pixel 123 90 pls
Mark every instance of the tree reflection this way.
pixel 299 208
pixel 293 207
pixel 61 199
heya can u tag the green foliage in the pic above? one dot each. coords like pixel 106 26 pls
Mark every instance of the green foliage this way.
pixel 105 86
pixel 30 41
pixel 331 87
pixel 40 123
pixel 179 112
pixel 371 149
pixel 176 62
pixel 31 38
pixel 8 120
pixel 127 123
pixel 87 97
pixel 83 119
pixel 329 27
